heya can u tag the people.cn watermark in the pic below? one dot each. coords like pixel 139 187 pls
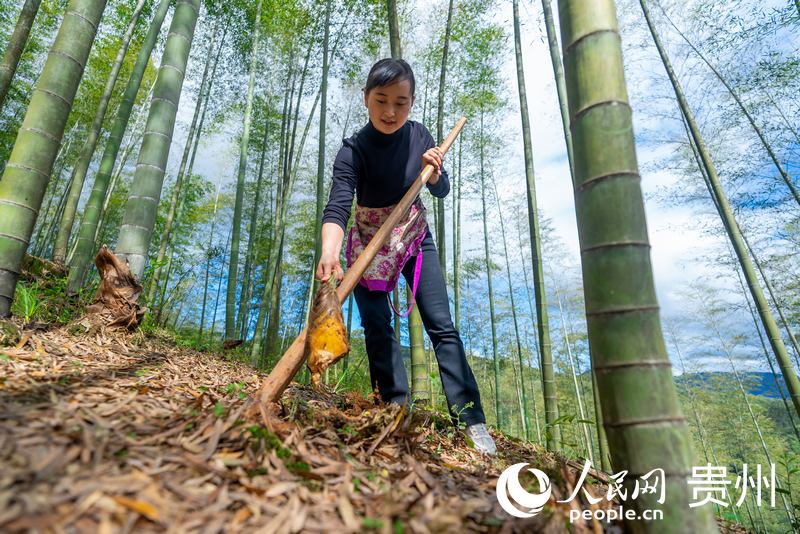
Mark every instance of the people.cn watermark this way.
pixel 709 485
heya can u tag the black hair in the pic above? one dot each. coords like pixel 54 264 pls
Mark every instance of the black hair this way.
pixel 388 71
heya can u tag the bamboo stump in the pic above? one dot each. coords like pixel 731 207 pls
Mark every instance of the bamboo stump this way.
pixel 115 302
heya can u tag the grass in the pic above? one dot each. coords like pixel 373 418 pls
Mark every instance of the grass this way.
pixel 46 301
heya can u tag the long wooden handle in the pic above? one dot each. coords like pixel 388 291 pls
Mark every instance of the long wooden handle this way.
pixel 292 360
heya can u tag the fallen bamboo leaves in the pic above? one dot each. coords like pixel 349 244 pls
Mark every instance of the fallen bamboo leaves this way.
pixel 120 433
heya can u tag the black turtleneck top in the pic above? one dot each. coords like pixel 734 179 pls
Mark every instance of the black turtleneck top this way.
pixel 379 168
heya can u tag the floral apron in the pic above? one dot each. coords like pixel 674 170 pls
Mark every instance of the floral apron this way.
pixel 405 241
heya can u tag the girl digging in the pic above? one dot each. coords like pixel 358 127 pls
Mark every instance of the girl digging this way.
pixel 379 163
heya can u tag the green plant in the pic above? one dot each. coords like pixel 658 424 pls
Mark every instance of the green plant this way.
pixel 461 424
pixel 298 466
pixel 26 301
pixel 348 430
pixel 237 388
pixel 371 522
pixel 263 436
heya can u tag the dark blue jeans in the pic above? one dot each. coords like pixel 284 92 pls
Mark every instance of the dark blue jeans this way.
pixel 383 351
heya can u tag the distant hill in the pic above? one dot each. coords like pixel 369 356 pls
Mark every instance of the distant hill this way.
pixel 761 384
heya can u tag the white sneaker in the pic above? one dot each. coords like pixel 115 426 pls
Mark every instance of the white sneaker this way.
pixel 481 439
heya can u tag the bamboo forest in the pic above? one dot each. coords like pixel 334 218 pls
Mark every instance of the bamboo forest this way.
pixel 400 266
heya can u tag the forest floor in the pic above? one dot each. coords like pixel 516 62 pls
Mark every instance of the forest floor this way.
pixel 127 432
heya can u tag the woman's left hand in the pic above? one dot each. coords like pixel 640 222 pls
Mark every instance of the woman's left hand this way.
pixel 433 157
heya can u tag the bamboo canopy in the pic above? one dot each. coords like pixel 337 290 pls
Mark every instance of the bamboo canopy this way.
pixel 292 360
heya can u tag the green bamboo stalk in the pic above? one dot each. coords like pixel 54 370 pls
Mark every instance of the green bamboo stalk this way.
pixel 396 318
pixel 89 145
pixel 323 114
pixel 27 172
pixel 702 171
pixel 440 220
pixel 457 241
pixel 85 245
pixel 578 397
pixel 145 192
pixel 602 443
pixel 219 289
pixel 533 320
pixel 134 140
pixel 420 381
pixel 158 306
pixel 488 265
pixel 271 347
pixel 645 427
pixel 290 163
pixel 532 389
pixel 766 352
pixel 394 29
pixel 208 266
pixel 45 218
pixel 349 319
pixel 558 74
pixel 182 201
pixel 548 376
pixel 195 129
pixel 520 406
pixel 731 226
pixel 320 185
pixel 233 267
pixel 257 349
pixel 602 440
pixel 290 81
pixel 256 352
pixel 419 387
pixel 436 392
pixel 50 234
pixel 16 45
pixel 523 396
pixel 247 277
pixel 292 160
pixel 761 137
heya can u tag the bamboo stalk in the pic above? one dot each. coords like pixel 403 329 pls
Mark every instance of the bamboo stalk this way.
pixel 192 138
pixel 645 427
pixel 27 172
pixel 87 150
pixel 233 266
pixel 523 395
pixel 549 390
pixel 16 44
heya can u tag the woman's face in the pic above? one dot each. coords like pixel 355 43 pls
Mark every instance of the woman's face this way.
pixel 389 105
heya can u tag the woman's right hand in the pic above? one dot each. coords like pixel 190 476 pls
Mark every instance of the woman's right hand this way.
pixel 329 264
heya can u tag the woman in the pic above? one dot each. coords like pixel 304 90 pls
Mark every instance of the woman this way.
pixel 379 163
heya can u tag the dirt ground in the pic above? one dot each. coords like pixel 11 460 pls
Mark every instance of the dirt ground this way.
pixel 128 433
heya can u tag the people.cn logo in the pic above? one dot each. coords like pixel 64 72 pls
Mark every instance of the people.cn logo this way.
pixel 508 485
